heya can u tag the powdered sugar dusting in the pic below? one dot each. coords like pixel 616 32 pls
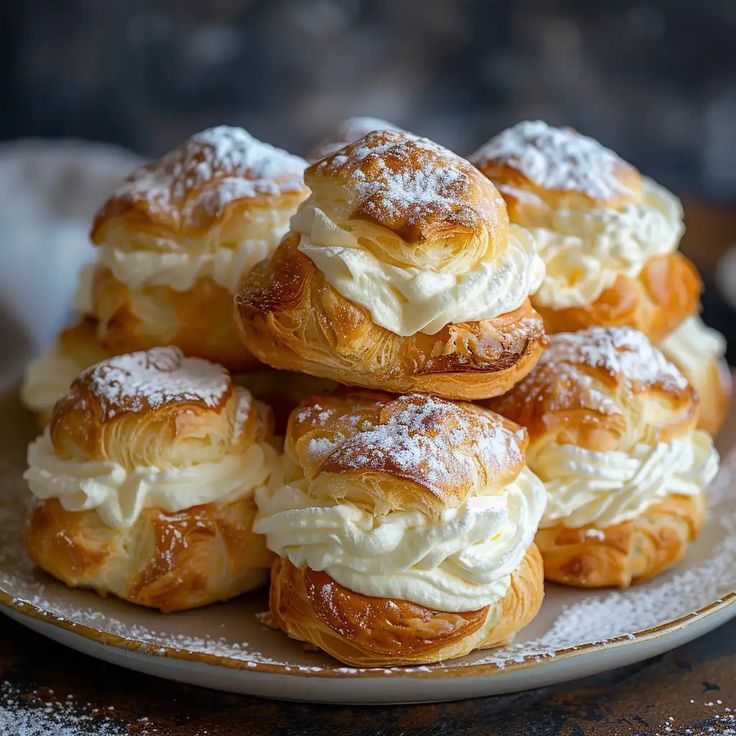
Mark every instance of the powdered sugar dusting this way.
pixel 555 158
pixel 398 176
pixel 226 163
pixel 620 351
pixel 137 382
pixel 436 443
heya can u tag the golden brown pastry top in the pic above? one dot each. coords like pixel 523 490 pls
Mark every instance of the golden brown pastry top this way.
pixel 155 407
pixel 411 186
pixel 602 388
pixel 346 132
pixel 559 166
pixel 411 452
pixel 219 174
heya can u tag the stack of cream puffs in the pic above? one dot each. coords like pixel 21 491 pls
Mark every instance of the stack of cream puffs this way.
pixel 504 414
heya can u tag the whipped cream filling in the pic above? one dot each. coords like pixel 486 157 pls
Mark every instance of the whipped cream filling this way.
pixel 585 251
pixel 47 378
pixel 119 494
pixel 407 300
pixel 692 345
pixel 605 488
pixel 179 270
pixel 461 561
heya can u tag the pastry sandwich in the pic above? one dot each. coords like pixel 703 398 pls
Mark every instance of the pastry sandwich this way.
pixel 612 434
pixel 607 234
pixel 403 528
pixel 400 272
pixel 144 482
pixel 177 236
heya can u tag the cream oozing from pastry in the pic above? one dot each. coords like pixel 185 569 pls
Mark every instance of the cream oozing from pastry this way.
pixel 586 250
pixel 119 494
pixel 605 488
pixel 693 345
pixel 47 378
pixel 409 299
pixel 460 561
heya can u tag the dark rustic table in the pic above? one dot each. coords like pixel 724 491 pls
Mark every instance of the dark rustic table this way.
pixel 48 690
pixel 688 691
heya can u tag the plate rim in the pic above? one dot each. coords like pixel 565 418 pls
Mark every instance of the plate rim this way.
pixel 342 671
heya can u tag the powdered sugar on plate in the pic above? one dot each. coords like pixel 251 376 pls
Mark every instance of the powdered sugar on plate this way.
pixel 556 158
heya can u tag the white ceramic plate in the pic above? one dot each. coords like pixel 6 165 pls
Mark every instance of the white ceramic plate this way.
pixel 576 634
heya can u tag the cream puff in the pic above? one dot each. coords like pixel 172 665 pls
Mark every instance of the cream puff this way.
pixel 607 234
pixel 144 482
pixel 348 131
pixel 400 272
pixel 403 528
pixel 698 351
pixel 175 238
pixel 48 377
pixel 612 434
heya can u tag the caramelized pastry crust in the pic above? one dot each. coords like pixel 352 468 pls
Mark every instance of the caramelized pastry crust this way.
pixel 377 632
pixel 294 320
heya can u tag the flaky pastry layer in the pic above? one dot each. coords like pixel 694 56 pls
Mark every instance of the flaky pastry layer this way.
pixel 170 561
pixel 291 318
pixel 656 301
pixel 379 632
pixel 626 553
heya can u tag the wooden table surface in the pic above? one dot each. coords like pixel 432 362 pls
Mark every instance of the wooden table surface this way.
pixel 690 691
pixel 48 690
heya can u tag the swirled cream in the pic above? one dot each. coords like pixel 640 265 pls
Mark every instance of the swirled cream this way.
pixel 119 494
pixel 460 561
pixel 179 269
pixel 692 345
pixel 605 488
pixel 585 250
pixel 47 378
pixel 409 299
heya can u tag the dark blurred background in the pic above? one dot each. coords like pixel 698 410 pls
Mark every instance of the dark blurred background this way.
pixel 656 81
